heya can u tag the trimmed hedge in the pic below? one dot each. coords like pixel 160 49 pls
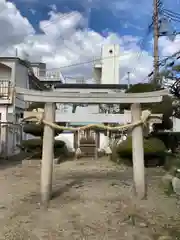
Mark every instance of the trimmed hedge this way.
pixel 38 130
pixel 154 149
pixel 35 146
pixel 32 143
pixel 170 139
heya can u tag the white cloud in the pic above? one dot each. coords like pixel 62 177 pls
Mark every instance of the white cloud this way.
pixel 64 42
pixel 33 11
pixel 14 27
pixel 53 7
pixel 169 47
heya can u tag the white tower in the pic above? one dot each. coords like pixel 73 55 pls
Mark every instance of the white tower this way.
pixel 107 71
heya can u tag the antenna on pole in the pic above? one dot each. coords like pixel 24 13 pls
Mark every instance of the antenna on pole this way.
pixel 156 37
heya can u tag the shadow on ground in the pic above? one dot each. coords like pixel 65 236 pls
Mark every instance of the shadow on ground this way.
pixel 58 191
pixel 12 161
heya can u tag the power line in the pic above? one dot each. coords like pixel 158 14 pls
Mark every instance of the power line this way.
pixel 59 36
pixel 90 61
pixel 175 14
pixel 84 63
pixel 97 59
pixel 93 60
pixel 164 61
pixel 142 45
pixel 59 18
pixel 171 16
pixel 45 26
pixel 76 64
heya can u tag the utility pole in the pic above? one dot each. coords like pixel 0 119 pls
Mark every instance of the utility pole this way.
pixel 16 52
pixel 128 79
pixel 156 38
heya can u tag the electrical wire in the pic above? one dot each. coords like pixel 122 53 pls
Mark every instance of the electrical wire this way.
pixel 142 45
pixel 61 37
pixel 159 4
pixel 171 12
pixel 163 63
pixel 143 40
pixel 44 26
pixel 139 54
pixel 74 49
pixel 91 61
pixel 171 15
pixel 174 19
pixel 59 18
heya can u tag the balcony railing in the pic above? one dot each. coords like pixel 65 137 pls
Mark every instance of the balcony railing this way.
pixel 50 76
pixel 5 89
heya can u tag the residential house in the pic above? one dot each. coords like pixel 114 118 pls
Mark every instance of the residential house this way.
pixel 14 72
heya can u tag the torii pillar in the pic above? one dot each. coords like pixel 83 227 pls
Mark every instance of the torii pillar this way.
pixel 47 155
pixel 138 153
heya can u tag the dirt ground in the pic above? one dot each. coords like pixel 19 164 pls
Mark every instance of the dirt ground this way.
pixel 91 200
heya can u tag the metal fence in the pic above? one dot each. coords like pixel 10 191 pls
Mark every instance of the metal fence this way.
pixel 10 138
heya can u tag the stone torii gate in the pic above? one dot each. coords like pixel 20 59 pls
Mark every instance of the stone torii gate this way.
pixel 90 94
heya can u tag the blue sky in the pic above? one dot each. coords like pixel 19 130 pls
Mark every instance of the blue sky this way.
pixel 97 22
pixel 126 17
pixel 102 14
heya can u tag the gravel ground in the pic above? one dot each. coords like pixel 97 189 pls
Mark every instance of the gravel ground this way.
pixel 91 200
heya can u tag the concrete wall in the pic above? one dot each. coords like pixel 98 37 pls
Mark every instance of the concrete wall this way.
pixel 18 75
pixel 21 80
pixel 110 64
pixel 12 65
pixel 10 134
pixel 106 71
pixel 5 73
pixel 3 137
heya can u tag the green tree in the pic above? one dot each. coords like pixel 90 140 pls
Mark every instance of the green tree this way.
pixel 165 107
pixel 172 74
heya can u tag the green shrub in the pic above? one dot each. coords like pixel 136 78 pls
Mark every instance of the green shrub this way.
pixel 32 143
pixel 172 163
pixel 35 146
pixel 170 139
pixel 38 130
pixel 154 149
